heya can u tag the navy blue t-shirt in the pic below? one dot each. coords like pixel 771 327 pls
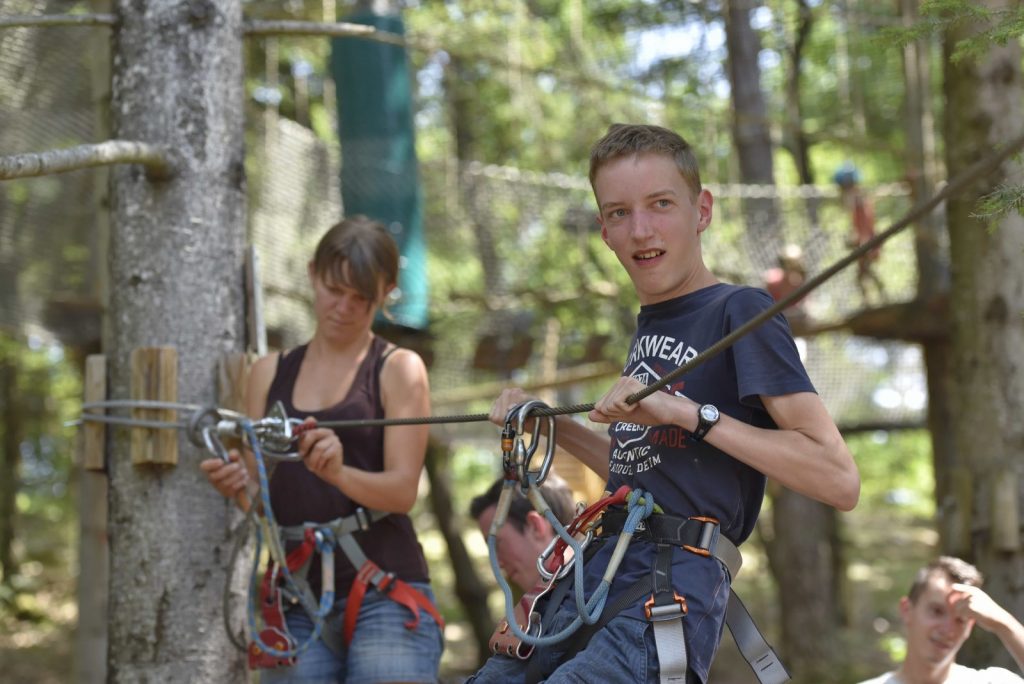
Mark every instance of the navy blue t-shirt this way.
pixel 694 478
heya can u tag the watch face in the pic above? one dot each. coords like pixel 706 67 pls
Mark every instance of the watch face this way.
pixel 709 412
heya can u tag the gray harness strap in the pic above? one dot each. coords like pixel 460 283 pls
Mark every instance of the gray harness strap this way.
pixel 701 536
pixel 665 611
pixel 360 520
pixel 751 643
pixel 342 528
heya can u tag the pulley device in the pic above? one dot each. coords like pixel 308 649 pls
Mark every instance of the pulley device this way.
pixel 274 435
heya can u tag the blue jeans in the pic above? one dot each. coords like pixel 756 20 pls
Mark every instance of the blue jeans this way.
pixel 382 649
pixel 623 652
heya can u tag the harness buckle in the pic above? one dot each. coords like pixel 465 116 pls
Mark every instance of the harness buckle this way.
pixel 386 584
pixel 362 518
pixel 708 539
pixel 668 611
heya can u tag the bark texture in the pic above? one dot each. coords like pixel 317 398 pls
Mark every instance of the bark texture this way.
pixel 985 98
pixel 175 280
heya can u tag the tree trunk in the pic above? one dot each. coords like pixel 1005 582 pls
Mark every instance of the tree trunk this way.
pixel 750 128
pixel 11 430
pixel 470 590
pixel 932 268
pixel 176 280
pixel 802 559
pixel 984 97
pixel 796 140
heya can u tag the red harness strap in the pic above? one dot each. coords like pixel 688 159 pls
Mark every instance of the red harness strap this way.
pixel 392 587
pixel 582 522
pixel 274 632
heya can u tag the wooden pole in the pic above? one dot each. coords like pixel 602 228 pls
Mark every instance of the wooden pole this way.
pixel 94 434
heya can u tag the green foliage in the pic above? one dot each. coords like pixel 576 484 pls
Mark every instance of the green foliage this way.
pixel 1000 202
pixel 896 471
pixel 48 391
pixel 938 16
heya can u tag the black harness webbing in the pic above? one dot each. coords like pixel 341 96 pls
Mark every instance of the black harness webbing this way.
pixel 697 536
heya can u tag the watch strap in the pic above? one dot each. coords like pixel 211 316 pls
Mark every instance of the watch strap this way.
pixel 703 425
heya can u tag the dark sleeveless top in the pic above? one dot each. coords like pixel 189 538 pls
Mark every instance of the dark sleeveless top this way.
pixel 298 496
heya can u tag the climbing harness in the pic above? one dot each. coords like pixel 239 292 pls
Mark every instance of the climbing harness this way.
pixel 699 535
pixel 626 514
pixel 285 576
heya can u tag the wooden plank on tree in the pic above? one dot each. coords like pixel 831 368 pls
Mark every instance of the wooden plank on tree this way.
pixel 94 434
pixel 155 377
pixel 232 369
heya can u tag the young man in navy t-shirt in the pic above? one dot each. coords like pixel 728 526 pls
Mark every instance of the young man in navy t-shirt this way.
pixel 761 415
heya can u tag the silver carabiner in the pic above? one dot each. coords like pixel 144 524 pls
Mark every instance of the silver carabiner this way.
pixel 563 570
pixel 213 444
pixel 523 454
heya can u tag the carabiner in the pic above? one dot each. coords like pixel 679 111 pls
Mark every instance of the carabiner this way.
pixel 566 566
pixel 213 444
pixel 522 454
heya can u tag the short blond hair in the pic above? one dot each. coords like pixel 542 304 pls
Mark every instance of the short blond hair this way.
pixel 624 140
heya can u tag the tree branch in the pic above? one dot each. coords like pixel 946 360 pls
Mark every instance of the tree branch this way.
pixel 155 158
pixel 255 27
pixel 18 21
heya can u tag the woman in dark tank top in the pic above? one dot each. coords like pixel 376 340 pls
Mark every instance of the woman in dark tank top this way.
pixel 346 372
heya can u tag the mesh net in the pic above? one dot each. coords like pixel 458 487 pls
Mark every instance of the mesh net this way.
pixel 49 269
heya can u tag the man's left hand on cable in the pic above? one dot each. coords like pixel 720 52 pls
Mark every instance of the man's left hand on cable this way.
pixel 322 452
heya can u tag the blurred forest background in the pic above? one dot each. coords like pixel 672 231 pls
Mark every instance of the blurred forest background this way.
pixel 508 96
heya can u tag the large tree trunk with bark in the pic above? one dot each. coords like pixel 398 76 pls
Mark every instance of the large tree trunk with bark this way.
pixel 795 138
pixel 176 280
pixel 984 97
pixel 801 556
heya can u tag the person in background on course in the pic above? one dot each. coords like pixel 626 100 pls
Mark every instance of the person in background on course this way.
pixel 526 533
pixel 944 603
pixel 786 278
pixel 346 372
pixel 702 446
pixel 862 223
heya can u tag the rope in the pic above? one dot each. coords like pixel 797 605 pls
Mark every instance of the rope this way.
pixel 317 615
pixel 640 505
pixel 240 535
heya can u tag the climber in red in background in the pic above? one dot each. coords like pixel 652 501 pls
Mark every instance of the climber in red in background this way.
pixel 862 219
